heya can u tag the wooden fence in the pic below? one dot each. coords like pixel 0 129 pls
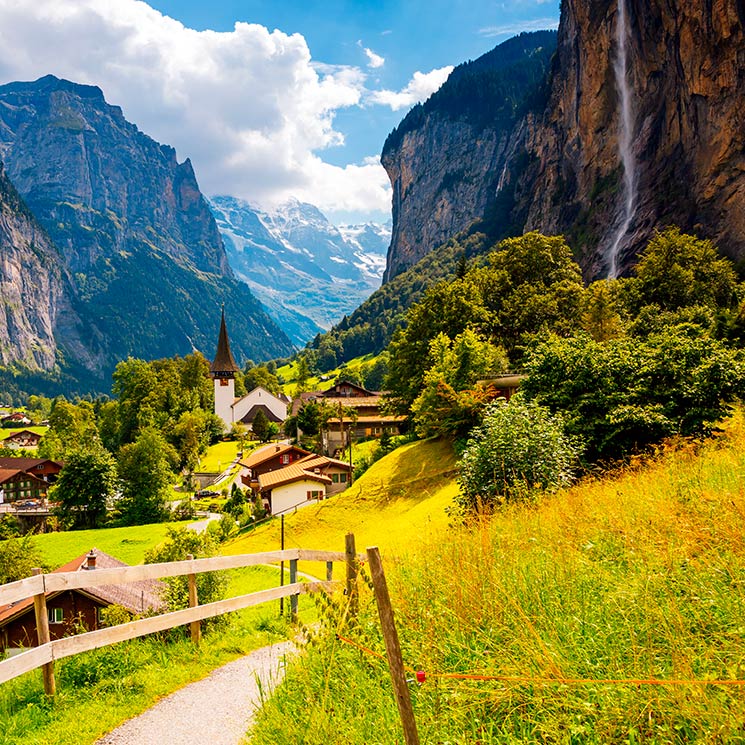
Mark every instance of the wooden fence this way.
pixel 40 585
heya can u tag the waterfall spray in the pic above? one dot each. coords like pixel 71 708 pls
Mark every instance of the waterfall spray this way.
pixel 625 135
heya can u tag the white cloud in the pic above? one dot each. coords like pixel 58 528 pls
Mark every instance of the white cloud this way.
pixel 249 107
pixel 421 86
pixel 373 60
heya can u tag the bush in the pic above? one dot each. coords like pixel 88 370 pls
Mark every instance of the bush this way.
pixel 518 450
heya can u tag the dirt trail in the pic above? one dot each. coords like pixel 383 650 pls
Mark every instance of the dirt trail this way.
pixel 215 711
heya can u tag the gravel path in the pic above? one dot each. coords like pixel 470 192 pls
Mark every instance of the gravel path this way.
pixel 215 711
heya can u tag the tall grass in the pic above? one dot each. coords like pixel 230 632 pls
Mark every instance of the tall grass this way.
pixel 638 576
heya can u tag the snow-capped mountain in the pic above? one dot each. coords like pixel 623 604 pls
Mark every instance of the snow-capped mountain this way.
pixel 306 271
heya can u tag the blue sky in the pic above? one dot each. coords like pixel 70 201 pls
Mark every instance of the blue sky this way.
pixel 268 99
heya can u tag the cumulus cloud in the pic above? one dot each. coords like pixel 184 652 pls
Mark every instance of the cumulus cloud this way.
pixel 421 86
pixel 249 107
pixel 373 60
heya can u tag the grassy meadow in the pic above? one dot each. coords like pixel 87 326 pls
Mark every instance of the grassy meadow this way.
pixel 636 576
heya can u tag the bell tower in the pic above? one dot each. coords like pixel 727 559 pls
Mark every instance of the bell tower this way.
pixel 223 370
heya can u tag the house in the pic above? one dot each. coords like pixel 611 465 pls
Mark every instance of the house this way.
pixel 504 386
pixel 42 468
pixel 231 409
pixel 268 459
pixel 21 440
pixel 339 471
pixel 17 419
pixel 291 487
pixel 71 610
pixel 17 485
pixel 366 421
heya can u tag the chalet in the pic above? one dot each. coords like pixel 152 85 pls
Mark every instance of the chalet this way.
pixel 366 421
pixel 504 386
pixel 244 409
pixel 42 468
pixel 17 485
pixel 339 471
pixel 72 610
pixel 291 487
pixel 21 440
pixel 269 459
pixel 16 419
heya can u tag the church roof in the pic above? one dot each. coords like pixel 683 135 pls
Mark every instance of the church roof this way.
pixel 224 361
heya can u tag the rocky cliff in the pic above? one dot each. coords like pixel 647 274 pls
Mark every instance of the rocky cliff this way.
pixel 642 128
pixel 149 269
pixel 447 159
pixel 38 325
pixel 685 78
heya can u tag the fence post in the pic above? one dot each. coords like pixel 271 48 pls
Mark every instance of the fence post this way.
pixel 195 626
pixel 392 647
pixel 329 571
pixel 351 562
pixel 42 635
pixel 281 563
pixel 293 598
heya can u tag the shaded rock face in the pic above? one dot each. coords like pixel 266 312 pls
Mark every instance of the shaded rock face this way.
pixel 686 76
pixel 146 264
pixel 448 159
pixel 561 162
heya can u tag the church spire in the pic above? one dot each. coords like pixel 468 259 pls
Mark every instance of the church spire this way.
pixel 223 365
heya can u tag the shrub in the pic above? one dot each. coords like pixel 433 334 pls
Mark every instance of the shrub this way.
pixel 519 449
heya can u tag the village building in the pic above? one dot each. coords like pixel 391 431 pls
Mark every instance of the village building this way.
pixel 42 468
pixel 17 486
pixel 244 409
pixel 16 419
pixel 70 611
pixel 266 459
pixel 21 440
pixel 359 414
pixel 291 487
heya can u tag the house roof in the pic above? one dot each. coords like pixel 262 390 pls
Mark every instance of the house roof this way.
pixel 250 415
pixel 6 474
pixel 25 432
pixel 288 474
pixel 354 402
pixel 25 464
pixel 264 454
pixel 136 597
pixel 331 391
pixel 322 461
pixel 224 361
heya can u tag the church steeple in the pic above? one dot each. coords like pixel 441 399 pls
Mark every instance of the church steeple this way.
pixel 223 366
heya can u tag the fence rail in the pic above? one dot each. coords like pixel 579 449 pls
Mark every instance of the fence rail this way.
pixel 40 585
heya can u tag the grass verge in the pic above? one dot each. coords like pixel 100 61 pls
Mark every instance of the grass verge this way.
pixel 637 576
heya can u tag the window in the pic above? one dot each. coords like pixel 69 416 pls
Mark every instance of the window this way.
pixel 343 478
pixel 285 459
pixel 335 478
pixel 55 615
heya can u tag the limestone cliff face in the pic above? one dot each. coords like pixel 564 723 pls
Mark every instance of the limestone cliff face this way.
pixel 142 250
pixel 447 159
pixel 686 78
pixel 37 318
pixel 561 162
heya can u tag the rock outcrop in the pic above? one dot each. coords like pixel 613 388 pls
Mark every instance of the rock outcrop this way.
pixel 686 76
pixel 558 165
pixel 447 159
pixel 147 264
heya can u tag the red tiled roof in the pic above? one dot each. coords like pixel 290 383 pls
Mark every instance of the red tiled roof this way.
pixel 264 454
pixel 287 475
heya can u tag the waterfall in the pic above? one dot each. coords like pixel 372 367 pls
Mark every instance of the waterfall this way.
pixel 625 137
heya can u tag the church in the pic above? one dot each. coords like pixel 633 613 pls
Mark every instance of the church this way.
pixel 241 410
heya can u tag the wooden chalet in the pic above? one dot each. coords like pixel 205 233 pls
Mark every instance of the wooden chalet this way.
pixel 17 486
pixel 16 419
pixel 21 440
pixel 70 611
pixel 268 459
pixel 43 468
